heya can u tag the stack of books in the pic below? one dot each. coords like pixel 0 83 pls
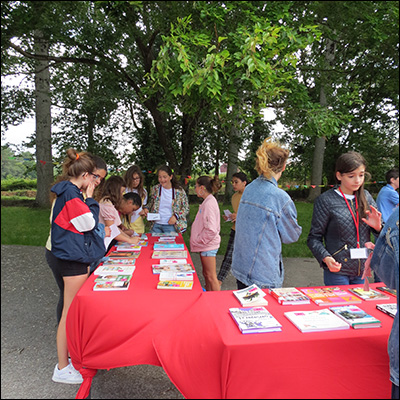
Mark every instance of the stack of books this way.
pixel 369 295
pixel 388 308
pixel 330 296
pixel 254 320
pixel 289 295
pixel 112 282
pixel 356 317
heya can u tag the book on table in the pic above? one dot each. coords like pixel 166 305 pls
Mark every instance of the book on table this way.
pixel 169 246
pixel 111 286
pixel 124 254
pixel 158 268
pixel 161 234
pixel 316 320
pixel 119 261
pixel 124 246
pixel 251 296
pixel 169 261
pixel 388 308
pixel 387 290
pixel 254 320
pixel 175 276
pixel 169 254
pixel 179 285
pixel 330 296
pixel 114 270
pixel 369 295
pixel 356 317
pixel 289 295
pixel 112 278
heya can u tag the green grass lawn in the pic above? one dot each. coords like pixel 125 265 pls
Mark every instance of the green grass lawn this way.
pixel 30 226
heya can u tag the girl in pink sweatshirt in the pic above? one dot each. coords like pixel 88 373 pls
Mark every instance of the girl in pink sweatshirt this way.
pixel 204 237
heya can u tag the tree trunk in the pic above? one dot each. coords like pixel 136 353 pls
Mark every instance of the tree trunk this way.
pixel 233 159
pixel 44 162
pixel 319 150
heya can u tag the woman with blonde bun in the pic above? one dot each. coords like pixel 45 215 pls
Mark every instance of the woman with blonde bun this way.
pixel 266 218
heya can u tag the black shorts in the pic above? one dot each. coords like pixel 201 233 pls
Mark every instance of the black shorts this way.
pixel 69 268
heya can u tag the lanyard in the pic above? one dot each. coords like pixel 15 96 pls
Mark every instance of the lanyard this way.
pixel 356 221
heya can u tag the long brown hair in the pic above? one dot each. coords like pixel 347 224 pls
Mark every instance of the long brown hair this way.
pixel 349 162
pixel 112 190
pixel 128 177
pixel 212 185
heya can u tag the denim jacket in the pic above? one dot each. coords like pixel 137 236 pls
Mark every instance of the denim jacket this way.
pixel 385 262
pixel 266 218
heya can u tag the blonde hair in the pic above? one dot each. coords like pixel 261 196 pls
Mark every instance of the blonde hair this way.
pixel 271 158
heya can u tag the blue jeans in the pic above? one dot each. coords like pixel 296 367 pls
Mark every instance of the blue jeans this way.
pixel 159 228
pixel 333 279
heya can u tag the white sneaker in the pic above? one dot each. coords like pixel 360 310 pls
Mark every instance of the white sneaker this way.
pixel 67 375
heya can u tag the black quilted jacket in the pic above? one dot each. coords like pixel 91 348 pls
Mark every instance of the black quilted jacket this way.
pixel 333 232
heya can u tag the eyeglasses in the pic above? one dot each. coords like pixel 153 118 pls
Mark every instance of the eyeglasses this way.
pixel 136 179
pixel 96 176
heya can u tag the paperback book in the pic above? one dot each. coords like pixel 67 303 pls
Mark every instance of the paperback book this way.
pixel 330 296
pixel 388 308
pixel 111 285
pixel 123 246
pixel 124 254
pixel 316 320
pixel 112 278
pixel 119 261
pixel 356 317
pixel 161 234
pixel 254 320
pixel 368 295
pixel 169 254
pixel 169 246
pixel 179 285
pixel 174 268
pixel 169 261
pixel 251 296
pixel 289 295
pixel 387 290
pixel 114 270
pixel 175 276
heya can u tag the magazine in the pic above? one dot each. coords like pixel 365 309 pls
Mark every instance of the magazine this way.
pixel 254 320
pixel 251 296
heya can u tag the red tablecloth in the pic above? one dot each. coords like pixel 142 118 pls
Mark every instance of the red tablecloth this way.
pixel 115 329
pixel 206 356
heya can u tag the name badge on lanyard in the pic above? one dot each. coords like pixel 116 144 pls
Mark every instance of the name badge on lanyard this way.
pixel 358 252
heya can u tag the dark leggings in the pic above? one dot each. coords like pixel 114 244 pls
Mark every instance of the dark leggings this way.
pixel 52 261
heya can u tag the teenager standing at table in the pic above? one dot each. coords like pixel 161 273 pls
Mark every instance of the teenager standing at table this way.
pixel 74 244
pixel 385 261
pixel 170 201
pixel 266 218
pixel 99 173
pixel 134 180
pixel 204 236
pixel 239 182
pixel 343 220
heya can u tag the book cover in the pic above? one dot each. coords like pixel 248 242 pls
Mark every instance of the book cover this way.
pixel 164 234
pixel 114 270
pixel 111 285
pixel 119 261
pixel 356 317
pixel 251 296
pixel 388 308
pixel 254 320
pixel 169 261
pixel 128 247
pixel 387 290
pixel 289 295
pixel 169 254
pixel 124 254
pixel 368 295
pixel 330 296
pixel 186 268
pixel 113 278
pixel 169 246
pixel 316 320
pixel 175 276
pixel 179 285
